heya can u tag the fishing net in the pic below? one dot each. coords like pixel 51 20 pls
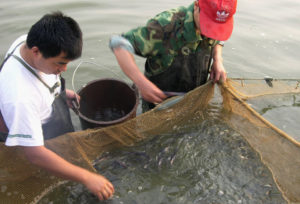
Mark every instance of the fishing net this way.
pixel 279 151
pixel 20 182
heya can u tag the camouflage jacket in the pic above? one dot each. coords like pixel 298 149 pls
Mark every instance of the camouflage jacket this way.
pixel 167 36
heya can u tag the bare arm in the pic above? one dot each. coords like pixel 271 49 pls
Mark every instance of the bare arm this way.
pixel 48 160
pixel 150 92
pixel 218 72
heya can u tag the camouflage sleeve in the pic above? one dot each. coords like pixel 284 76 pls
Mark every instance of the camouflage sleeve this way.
pixel 117 41
pixel 149 40
pixel 143 39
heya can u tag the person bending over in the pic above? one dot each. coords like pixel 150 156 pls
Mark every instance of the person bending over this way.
pixel 33 98
pixel 181 46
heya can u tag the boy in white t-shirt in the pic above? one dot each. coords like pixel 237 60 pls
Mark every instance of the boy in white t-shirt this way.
pixel 33 98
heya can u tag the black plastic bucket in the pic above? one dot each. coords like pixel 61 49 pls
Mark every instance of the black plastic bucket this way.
pixel 106 102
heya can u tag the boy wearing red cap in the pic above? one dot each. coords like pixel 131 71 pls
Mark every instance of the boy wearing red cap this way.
pixel 181 46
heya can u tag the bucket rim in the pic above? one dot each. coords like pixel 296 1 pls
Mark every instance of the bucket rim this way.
pixel 99 122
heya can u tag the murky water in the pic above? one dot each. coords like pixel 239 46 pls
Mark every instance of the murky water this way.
pixel 109 114
pixel 206 164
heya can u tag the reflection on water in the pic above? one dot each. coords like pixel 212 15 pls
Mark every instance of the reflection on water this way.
pixel 207 163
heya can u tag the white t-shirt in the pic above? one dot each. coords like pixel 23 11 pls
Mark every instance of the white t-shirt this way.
pixel 25 102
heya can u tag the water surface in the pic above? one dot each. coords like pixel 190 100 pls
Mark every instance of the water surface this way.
pixel 206 164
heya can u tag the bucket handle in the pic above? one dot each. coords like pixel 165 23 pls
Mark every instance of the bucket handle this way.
pixel 75 102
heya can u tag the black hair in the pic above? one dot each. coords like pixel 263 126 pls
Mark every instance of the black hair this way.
pixel 55 33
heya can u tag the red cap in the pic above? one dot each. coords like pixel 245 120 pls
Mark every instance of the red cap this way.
pixel 216 18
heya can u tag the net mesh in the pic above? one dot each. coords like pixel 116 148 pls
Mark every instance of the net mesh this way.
pixel 20 182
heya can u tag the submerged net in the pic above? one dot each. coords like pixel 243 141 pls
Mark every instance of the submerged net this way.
pixel 280 152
